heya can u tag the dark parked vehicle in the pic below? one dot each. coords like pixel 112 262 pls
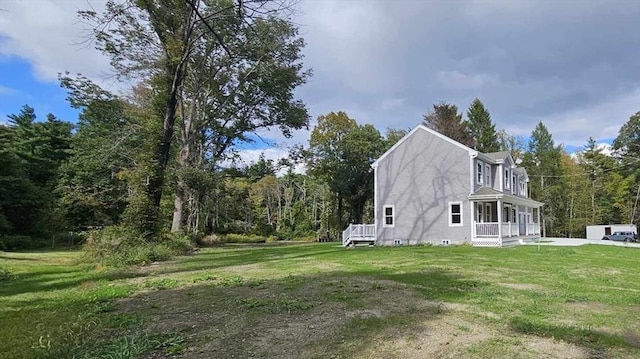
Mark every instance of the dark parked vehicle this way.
pixel 621 236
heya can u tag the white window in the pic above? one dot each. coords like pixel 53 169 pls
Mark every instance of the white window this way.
pixel 480 218
pixel 455 214
pixel 389 219
pixel 487 170
pixel 506 179
pixel 479 170
pixel 513 181
pixel 522 192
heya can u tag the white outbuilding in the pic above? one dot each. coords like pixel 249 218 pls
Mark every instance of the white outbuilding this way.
pixel 597 232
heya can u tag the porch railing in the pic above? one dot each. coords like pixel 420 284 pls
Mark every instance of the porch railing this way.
pixel 358 231
pixel 487 229
pixel 508 229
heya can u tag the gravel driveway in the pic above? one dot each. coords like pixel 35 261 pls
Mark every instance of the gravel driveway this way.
pixel 581 241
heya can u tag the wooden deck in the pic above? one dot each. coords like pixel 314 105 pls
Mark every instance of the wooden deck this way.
pixel 359 233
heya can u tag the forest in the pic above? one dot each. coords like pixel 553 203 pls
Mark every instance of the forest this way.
pixel 156 165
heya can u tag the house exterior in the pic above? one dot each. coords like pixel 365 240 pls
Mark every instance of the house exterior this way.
pixel 432 189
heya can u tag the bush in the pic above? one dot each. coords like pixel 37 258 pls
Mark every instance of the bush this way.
pixel 118 245
pixel 243 238
pixel 307 238
pixel 16 243
pixel 208 241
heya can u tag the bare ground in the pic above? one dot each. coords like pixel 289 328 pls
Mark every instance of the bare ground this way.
pixel 333 318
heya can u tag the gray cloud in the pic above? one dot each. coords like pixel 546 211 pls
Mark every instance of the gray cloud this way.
pixel 572 64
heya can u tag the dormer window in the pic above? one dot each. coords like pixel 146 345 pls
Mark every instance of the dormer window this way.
pixel 513 182
pixel 522 191
pixel 479 173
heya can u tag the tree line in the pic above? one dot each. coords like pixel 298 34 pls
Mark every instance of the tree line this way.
pixel 208 76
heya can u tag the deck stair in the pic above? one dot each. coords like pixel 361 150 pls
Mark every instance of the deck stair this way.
pixel 359 234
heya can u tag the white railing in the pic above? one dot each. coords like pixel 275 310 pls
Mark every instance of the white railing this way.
pixel 508 229
pixel 487 229
pixel 358 231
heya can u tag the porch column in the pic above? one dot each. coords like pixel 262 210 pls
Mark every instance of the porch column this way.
pixel 526 221
pixel 500 221
pixel 539 224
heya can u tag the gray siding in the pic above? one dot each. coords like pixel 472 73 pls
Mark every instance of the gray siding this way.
pixel 419 178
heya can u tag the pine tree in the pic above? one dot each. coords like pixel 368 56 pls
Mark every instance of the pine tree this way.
pixel 543 165
pixel 446 120
pixel 481 128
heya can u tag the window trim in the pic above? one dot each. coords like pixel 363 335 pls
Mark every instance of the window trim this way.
pixel 479 172
pixel 451 204
pixel 384 216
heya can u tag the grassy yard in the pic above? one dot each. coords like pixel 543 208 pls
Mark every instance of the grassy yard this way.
pixel 323 301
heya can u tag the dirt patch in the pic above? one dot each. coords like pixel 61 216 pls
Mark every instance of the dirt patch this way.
pixel 521 286
pixel 595 307
pixel 330 318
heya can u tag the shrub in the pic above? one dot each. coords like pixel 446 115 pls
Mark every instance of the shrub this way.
pixel 16 243
pixel 208 241
pixel 312 238
pixel 118 245
pixel 243 238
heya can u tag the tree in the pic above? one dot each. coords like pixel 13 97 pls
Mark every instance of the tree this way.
pixel 597 167
pixel 514 144
pixel 32 153
pixel 325 156
pixel 95 185
pixel 627 144
pixel 223 101
pixel 543 164
pixel 445 119
pixel 159 41
pixel 627 147
pixel 481 129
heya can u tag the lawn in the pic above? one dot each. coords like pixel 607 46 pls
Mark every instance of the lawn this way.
pixel 324 301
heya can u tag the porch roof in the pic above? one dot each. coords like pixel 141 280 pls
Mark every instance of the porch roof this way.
pixel 485 193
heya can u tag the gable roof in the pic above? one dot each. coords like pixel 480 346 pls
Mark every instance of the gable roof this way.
pixel 497 156
pixel 433 132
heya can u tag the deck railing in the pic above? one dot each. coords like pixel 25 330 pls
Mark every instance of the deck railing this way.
pixel 358 231
pixel 533 228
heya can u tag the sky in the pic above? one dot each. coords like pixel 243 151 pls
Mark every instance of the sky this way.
pixel 572 64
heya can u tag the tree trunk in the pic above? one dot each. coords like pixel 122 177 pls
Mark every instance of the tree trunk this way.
pixel 340 213
pixel 162 152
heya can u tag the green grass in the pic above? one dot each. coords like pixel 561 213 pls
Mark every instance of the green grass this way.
pixel 53 305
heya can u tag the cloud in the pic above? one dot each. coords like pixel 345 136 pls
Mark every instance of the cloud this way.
pixel 575 65
pixel 48 34
pixel 7 91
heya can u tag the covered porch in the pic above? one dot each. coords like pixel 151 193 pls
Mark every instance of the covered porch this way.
pixel 502 219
